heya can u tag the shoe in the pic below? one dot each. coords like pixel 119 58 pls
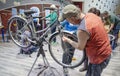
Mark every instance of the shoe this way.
pixel 83 69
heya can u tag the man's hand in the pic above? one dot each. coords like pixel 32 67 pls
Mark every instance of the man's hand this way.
pixel 43 18
pixel 108 30
pixel 65 39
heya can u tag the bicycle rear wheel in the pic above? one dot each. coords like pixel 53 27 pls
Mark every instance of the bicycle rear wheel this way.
pixel 19 31
pixel 63 53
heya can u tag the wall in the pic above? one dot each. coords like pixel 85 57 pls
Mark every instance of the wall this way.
pixel 118 9
pixel 6 14
pixel 102 5
pixel 77 0
pixel 79 4
pixel 13 3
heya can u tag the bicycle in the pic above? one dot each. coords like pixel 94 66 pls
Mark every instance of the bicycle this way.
pixel 56 51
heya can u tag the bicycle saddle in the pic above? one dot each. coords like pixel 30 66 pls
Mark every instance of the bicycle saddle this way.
pixel 29 12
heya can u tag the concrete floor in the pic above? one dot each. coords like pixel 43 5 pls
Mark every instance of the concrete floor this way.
pixel 12 64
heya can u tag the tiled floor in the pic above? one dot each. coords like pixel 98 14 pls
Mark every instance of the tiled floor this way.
pixel 12 64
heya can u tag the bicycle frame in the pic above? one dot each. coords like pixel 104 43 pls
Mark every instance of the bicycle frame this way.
pixel 31 25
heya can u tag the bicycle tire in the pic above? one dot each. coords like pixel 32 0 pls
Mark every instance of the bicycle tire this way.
pixel 16 27
pixel 54 49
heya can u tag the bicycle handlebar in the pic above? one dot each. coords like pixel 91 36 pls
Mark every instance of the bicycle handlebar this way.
pixel 38 17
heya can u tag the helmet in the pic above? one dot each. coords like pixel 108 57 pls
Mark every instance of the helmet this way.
pixel 53 7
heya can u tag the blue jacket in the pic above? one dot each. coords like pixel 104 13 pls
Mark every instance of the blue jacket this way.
pixel 68 27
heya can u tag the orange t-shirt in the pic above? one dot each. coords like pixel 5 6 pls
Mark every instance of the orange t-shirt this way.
pixel 98 46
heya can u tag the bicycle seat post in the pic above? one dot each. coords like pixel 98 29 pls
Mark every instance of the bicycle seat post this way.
pixel 41 51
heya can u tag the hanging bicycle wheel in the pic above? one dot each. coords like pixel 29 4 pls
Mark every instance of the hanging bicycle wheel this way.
pixel 19 31
pixel 63 53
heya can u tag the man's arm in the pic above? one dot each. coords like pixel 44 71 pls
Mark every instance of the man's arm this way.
pixel 111 27
pixel 112 20
pixel 82 40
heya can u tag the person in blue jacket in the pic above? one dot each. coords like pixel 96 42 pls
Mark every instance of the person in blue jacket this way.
pixel 36 20
pixel 68 26
pixel 67 57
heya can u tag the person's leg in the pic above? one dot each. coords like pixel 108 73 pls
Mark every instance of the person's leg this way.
pixel 96 69
pixel 37 28
pixel 52 31
pixel 68 53
pixel 85 66
pixel 67 56
pixel 3 39
pixel 114 42
pixel 7 36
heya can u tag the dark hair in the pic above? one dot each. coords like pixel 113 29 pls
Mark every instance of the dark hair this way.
pixel 95 11
pixel 98 12
pixel 92 10
pixel 105 13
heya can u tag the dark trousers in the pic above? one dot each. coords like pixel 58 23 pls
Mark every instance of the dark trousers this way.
pixel 3 39
pixel 68 52
pixel 115 32
pixel 114 42
pixel 52 31
pixel 96 69
pixel 53 28
pixel 37 28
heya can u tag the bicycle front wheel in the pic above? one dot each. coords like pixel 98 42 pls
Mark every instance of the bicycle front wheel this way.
pixel 63 53
pixel 19 31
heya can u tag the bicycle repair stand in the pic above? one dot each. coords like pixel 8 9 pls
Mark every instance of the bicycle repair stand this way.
pixel 47 65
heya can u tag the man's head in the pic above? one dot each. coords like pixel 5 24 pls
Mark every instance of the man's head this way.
pixel 105 14
pixel 71 13
pixel 53 7
pixel 94 10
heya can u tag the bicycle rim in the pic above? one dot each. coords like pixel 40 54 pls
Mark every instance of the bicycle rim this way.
pixel 17 31
pixel 64 55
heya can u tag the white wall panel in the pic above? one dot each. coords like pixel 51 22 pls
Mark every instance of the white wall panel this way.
pixel 102 5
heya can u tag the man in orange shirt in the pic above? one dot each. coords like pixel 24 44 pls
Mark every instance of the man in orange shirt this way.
pixel 91 36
